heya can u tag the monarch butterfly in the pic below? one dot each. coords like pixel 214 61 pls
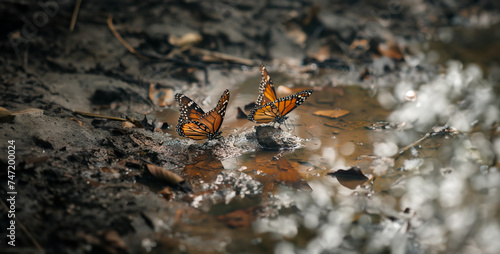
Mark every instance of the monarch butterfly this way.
pixel 195 124
pixel 268 108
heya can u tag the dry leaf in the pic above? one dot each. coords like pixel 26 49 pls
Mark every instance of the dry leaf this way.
pixel 5 115
pixel 127 124
pixel 334 113
pixel 212 59
pixel 278 171
pixel 161 95
pixel 323 53
pixel 135 122
pixel 109 170
pixel 350 178
pixel 113 243
pixel 347 125
pixel 185 40
pixel 391 50
pixel 361 43
pixel 29 111
pixel 164 174
pixel 76 120
pixel 297 35
pixel 289 176
pixel 166 193
pixel 205 167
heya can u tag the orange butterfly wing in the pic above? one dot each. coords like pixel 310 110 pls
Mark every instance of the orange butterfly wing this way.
pixel 276 111
pixel 289 103
pixel 213 119
pixel 266 88
pixel 270 109
pixel 188 108
pixel 206 126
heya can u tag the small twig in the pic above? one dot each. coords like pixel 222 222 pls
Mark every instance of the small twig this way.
pixel 414 143
pixel 120 38
pixel 438 130
pixel 222 56
pixel 75 14
pixel 28 234
pixel 100 116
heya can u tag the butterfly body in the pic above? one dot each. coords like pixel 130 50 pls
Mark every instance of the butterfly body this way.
pixel 194 123
pixel 268 107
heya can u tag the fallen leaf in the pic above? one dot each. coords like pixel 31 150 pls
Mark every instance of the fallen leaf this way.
pixel 323 53
pixel 109 170
pixel 212 59
pixel 277 171
pixel 297 35
pixel 29 111
pixel 127 124
pixel 205 167
pixel 5 114
pixel 161 95
pixel 164 174
pixel 166 193
pixel 347 125
pixel 334 113
pixel 137 123
pixel 76 120
pixel 350 178
pixel 185 40
pixel 289 176
pixel 91 115
pixel 390 49
pixel 113 243
pixel 221 56
pixel 361 43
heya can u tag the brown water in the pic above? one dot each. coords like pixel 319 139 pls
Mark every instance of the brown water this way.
pixel 253 200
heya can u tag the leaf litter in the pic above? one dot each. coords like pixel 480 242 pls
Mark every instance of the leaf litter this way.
pixel 453 176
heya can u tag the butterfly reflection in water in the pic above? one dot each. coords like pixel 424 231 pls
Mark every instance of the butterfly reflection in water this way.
pixel 194 123
pixel 268 107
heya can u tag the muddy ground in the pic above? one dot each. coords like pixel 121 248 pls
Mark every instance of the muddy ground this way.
pixel 82 182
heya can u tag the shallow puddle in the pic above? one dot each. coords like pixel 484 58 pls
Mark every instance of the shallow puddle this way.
pixel 239 190
pixel 354 179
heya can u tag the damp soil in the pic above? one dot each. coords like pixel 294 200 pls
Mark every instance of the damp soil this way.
pixel 86 184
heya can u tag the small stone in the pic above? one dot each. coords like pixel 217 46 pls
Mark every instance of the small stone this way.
pixel 269 137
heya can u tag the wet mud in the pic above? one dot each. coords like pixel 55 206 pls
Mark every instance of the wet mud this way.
pixel 393 140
